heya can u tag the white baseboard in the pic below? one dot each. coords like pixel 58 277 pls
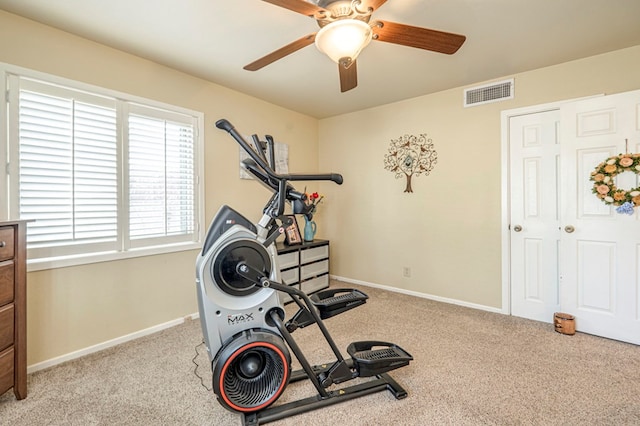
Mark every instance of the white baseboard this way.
pixel 109 343
pixel 422 295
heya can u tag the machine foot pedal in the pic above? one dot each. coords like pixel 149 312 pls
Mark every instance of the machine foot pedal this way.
pixel 332 302
pixel 372 357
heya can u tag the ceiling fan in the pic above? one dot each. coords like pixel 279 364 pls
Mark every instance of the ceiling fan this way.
pixel 345 29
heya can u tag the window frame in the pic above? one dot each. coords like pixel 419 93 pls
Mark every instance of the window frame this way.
pixel 9 178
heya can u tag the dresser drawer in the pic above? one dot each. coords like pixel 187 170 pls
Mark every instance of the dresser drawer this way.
pixel 6 370
pixel 6 243
pixel 6 282
pixel 6 326
pixel 313 254
pixel 290 276
pixel 288 260
pixel 315 284
pixel 313 269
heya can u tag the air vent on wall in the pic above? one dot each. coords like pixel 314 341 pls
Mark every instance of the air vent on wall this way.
pixel 492 92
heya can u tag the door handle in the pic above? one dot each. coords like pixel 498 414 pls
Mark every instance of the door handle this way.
pixel 517 228
pixel 569 229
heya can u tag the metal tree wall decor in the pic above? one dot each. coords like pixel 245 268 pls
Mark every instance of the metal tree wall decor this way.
pixel 410 156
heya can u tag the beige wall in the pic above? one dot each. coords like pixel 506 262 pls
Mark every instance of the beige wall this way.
pixel 448 231
pixel 73 308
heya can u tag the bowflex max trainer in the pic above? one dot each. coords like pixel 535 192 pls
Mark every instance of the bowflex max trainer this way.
pixel 243 319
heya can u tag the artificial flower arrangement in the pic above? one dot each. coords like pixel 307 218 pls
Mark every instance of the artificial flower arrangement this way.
pixel 313 200
pixel 604 186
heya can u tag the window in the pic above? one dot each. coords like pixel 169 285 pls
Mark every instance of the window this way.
pixel 102 175
pixel 161 169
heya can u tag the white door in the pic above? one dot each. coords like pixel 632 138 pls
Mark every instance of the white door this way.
pixel 534 153
pixel 600 248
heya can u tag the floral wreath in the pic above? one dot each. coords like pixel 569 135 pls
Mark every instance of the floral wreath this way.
pixel 604 186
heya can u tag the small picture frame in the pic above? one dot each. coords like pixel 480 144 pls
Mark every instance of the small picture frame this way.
pixel 292 232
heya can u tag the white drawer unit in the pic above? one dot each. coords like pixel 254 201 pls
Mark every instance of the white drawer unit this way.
pixel 305 266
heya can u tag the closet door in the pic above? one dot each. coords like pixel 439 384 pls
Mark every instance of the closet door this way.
pixel 599 248
pixel 534 155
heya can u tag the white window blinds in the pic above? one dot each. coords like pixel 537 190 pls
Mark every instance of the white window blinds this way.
pixel 100 174
pixel 68 168
pixel 161 176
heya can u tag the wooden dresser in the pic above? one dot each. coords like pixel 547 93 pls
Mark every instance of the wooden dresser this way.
pixel 13 315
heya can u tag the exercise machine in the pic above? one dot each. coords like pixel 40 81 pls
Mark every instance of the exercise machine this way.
pixel 248 341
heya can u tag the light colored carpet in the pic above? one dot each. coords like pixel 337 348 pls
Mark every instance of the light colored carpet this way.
pixel 471 368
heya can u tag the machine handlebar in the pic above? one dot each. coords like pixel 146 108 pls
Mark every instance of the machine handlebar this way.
pixel 223 124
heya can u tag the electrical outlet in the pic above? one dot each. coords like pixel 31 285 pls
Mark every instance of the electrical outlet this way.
pixel 406 272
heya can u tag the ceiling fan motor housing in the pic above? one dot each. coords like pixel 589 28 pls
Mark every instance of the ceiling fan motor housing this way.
pixel 340 9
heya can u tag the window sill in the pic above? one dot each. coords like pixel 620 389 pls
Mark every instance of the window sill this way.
pixel 34 265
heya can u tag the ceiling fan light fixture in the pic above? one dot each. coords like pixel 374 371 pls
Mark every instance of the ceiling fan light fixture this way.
pixel 343 39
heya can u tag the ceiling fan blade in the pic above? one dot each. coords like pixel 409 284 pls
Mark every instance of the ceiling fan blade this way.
pixel 348 77
pixel 373 4
pixel 281 53
pixel 422 38
pixel 299 6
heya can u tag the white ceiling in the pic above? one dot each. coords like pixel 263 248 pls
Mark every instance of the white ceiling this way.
pixel 214 39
